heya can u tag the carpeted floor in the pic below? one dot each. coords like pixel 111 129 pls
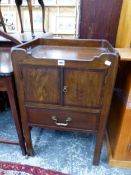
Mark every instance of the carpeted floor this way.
pixel 21 169
pixel 67 152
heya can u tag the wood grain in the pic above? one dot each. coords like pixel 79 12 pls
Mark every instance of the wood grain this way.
pixel 48 79
pixel 7 85
pixel 99 19
pixel 124 30
pixel 87 121
pixel 18 5
pixel 114 162
pixel 118 128
pixel 89 82
pixel 84 87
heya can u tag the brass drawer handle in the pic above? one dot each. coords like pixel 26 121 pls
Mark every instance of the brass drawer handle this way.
pixel 54 118
pixel 65 89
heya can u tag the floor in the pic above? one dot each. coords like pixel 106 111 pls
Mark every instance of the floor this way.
pixel 67 152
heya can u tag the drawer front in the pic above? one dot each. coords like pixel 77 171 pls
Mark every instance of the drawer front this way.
pixel 62 118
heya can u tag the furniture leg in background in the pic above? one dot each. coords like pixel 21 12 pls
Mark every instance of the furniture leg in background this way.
pixel 7 85
pixel 1 20
pixel 41 2
pixel 18 5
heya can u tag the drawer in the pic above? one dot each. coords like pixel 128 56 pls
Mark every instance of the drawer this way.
pixel 63 119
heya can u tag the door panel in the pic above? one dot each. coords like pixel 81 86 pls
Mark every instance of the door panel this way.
pixel 84 87
pixel 41 84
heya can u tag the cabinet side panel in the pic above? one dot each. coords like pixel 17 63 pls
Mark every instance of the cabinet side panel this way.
pixel 118 126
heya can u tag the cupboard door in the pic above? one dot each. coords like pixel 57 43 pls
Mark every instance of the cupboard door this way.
pixel 41 84
pixel 83 87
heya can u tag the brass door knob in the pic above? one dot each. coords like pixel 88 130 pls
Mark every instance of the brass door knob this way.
pixel 65 89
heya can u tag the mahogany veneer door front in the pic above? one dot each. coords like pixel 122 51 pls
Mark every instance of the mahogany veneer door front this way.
pixel 81 87
pixel 78 87
pixel 58 86
pixel 41 85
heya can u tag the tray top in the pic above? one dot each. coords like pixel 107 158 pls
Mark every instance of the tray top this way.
pixel 67 52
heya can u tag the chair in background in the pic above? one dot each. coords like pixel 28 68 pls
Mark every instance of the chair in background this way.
pixel 27 36
pixel 1 20
pixel 7 85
